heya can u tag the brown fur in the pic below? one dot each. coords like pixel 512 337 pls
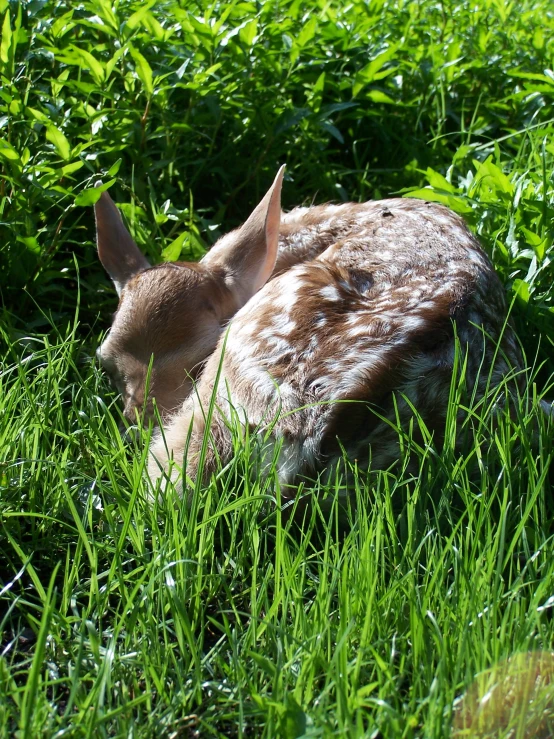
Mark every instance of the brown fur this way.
pixel 322 356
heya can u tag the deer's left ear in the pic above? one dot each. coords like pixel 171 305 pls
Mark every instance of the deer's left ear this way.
pixel 118 253
pixel 248 255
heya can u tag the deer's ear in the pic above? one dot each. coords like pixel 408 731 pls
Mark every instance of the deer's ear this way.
pixel 118 253
pixel 248 255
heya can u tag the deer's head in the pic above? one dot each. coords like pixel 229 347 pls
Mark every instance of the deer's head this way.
pixel 170 316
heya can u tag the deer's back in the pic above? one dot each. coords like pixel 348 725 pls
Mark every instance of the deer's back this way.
pixel 371 314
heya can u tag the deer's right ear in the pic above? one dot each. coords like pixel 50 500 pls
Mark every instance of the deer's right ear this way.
pixel 248 255
pixel 120 256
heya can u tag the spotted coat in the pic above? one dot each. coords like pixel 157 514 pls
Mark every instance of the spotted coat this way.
pixel 358 323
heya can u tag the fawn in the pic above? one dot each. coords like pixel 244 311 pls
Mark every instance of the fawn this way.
pixel 290 316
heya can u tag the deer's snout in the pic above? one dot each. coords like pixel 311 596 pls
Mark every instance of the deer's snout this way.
pixel 134 411
pixel 135 415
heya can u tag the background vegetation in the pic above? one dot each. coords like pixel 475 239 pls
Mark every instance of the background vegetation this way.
pixel 123 619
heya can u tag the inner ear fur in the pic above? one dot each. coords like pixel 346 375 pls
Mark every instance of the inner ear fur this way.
pixel 248 255
pixel 120 256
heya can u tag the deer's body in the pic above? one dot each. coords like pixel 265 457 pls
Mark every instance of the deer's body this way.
pixel 298 315
pixel 371 315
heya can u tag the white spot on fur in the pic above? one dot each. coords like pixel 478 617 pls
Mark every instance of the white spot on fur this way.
pixel 277 343
pixel 367 328
pixel 282 324
pixel 288 285
pixel 330 292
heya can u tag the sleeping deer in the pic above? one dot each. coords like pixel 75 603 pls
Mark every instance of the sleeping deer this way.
pixel 176 311
pixel 318 330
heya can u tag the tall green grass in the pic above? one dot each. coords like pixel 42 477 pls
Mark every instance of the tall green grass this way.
pixel 229 617
pixel 120 616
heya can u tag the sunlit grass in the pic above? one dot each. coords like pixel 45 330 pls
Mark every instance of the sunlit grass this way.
pixel 230 617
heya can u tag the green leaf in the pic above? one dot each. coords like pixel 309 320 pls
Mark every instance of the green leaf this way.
pixel 155 29
pixel 172 252
pixel 378 96
pixel 538 243
pixel 521 289
pixel 144 71
pixel 136 18
pixel 110 64
pixel 455 202
pixel 8 152
pixel 6 44
pixel 211 70
pixel 70 168
pixel 31 243
pixel 538 38
pixel 88 62
pixel 56 137
pixel 248 32
pixel 490 176
pixel 333 130
pixel 57 85
pixel 319 84
pixel 38 115
pixel 370 72
pixel 366 690
pixel 63 25
pixel 438 181
pixel 294 721
pixel 308 32
pixel 92 195
pixel 317 92
pixel 105 11
pixel 531 76
pixel 114 169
